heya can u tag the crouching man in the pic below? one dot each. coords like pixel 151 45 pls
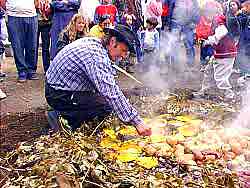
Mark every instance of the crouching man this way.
pixel 80 82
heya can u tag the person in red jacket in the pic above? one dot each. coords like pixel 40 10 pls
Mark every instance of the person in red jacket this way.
pixel 225 51
pixel 106 8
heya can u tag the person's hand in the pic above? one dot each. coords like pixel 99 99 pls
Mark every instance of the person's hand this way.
pixel 143 130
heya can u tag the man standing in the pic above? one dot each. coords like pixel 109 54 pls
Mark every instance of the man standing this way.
pixel 22 27
pixel 80 82
pixel 183 17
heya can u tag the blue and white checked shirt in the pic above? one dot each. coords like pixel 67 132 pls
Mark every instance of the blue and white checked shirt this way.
pixel 84 65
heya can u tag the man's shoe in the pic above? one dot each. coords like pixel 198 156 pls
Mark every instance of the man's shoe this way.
pixel 2 95
pixel 67 129
pixel 32 76
pixel 22 77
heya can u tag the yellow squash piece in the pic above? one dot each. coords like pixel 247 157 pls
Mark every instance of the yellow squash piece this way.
pixel 176 123
pixel 109 143
pixel 184 118
pixel 129 130
pixel 110 133
pixel 187 130
pixel 128 155
pixel 147 162
pixel 157 138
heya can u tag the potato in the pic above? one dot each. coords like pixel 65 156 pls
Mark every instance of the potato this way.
pixel 186 159
pixel 236 148
pixel 150 150
pixel 197 155
pixel 171 140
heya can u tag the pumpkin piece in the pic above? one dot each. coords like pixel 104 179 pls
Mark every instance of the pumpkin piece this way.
pixel 172 140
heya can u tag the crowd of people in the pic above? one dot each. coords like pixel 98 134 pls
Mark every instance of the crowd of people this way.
pixel 80 39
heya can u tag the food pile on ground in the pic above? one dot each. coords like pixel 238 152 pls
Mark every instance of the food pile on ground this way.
pixel 185 150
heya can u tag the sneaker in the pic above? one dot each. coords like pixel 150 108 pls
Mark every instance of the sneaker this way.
pixel 22 77
pixel 67 129
pixel 2 75
pixel 53 120
pixel 2 95
pixel 32 76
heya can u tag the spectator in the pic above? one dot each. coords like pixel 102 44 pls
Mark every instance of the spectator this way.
pixel 135 7
pixel 154 9
pixel 44 25
pixel 184 15
pixel 130 61
pixel 203 31
pixel 150 41
pixel 62 11
pixel 98 29
pixel 244 42
pixel 225 51
pixel 76 29
pixel 107 8
pixel 3 37
pixel 87 8
pixel 22 28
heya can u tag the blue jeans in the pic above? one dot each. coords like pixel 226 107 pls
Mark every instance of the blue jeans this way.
pixel 188 40
pixel 23 37
pixel 44 31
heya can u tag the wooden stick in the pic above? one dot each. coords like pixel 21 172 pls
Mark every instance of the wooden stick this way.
pixel 126 73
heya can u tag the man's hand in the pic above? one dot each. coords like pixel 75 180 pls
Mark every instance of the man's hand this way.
pixel 143 130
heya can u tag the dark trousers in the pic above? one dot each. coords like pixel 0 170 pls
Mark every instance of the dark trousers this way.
pixel 44 31
pixel 23 37
pixel 76 107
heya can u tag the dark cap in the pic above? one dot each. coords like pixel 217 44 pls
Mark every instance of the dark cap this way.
pixel 126 35
pixel 104 17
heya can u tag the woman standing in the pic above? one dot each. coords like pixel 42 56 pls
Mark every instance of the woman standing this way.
pixel 63 11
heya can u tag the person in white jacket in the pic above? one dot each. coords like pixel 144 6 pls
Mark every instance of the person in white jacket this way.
pixel 87 8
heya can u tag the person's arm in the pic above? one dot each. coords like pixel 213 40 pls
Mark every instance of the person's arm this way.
pixel 220 32
pixel 98 70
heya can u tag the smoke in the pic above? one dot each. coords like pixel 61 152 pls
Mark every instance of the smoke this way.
pixel 243 119
pixel 167 68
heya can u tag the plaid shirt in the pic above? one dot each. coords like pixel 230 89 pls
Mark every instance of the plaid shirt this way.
pixel 84 65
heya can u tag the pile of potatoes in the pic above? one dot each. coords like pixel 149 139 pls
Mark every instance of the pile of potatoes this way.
pixel 209 146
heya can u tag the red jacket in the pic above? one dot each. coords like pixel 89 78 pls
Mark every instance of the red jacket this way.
pixel 226 48
pixel 106 9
